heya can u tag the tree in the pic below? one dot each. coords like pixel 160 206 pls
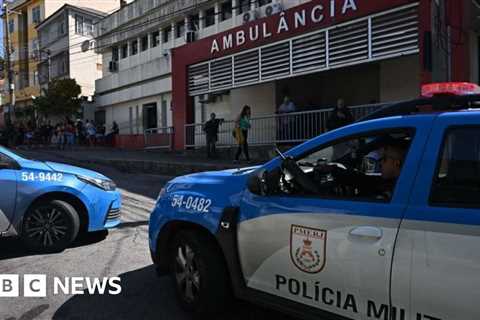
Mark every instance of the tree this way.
pixel 60 99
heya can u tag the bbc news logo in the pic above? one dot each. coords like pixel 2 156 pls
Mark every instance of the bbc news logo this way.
pixel 36 285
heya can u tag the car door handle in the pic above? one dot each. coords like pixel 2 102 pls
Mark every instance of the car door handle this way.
pixel 367 232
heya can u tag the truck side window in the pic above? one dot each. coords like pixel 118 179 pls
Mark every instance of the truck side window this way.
pixel 457 178
pixel 360 168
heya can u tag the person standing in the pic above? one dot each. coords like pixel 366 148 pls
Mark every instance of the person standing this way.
pixel 115 128
pixel 286 123
pixel 211 130
pixel 341 116
pixel 110 138
pixel 69 134
pixel 242 125
pixel 80 132
pixel 91 132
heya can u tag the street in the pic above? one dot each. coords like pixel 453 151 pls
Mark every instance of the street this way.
pixel 123 252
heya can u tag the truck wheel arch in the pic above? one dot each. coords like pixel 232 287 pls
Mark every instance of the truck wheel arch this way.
pixel 167 234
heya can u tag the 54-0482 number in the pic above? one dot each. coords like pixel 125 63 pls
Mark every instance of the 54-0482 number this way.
pixel 198 204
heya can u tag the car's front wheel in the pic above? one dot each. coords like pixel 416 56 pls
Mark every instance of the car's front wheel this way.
pixel 199 274
pixel 50 226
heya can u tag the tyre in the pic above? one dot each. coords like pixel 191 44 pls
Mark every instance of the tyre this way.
pixel 199 274
pixel 50 226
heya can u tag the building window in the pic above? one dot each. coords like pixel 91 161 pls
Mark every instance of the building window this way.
pixel 210 17
pixel 35 78
pixel 262 3
pixel 11 25
pixel 88 27
pixel 78 24
pixel 61 28
pixel 36 15
pixel 144 43
pixel 124 51
pixel 134 47
pixel 179 29
pixel 35 49
pixel 455 183
pixel 243 6
pixel 155 39
pixel 226 10
pixel 194 22
pixel 166 34
pixel 115 53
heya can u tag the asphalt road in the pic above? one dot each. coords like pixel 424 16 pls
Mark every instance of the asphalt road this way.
pixel 123 252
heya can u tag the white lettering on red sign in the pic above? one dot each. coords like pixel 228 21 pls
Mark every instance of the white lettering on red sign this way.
pixel 300 19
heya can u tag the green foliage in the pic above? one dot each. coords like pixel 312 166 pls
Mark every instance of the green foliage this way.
pixel 60 99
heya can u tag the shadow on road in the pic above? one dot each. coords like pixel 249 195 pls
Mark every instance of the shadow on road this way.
pixel 13 247
pixel 143 296
pixel 146 296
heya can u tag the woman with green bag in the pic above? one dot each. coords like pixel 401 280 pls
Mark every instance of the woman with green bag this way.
pixel 242 125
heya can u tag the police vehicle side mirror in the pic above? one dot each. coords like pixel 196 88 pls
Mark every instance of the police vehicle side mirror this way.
pixel 254 184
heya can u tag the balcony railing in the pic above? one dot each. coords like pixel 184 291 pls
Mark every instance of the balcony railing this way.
pixel 290 128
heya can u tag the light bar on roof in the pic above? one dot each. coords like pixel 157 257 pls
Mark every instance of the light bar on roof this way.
pixel 449 88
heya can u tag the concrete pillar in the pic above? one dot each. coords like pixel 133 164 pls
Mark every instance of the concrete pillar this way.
pixel 234 12
pixel 217 16
pixel 252 5
pixel 201 18
pixel 172 40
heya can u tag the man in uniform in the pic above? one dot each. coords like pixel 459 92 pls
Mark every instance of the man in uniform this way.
pixel 211 131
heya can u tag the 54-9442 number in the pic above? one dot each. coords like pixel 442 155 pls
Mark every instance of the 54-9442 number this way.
pixel 42 176
pixel 198 204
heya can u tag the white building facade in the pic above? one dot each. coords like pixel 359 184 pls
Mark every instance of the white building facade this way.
pixel 66 49
pixel 136 43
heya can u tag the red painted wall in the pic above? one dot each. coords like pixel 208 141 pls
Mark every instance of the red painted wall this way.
pixel 130 142
pixel 458 22
pixel 199 51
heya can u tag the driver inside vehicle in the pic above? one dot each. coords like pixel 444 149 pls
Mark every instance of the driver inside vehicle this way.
pixel 377 185
pixel 362 168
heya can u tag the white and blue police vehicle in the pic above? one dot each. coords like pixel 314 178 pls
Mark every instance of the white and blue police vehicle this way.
pixel 48 204
pixel 376 220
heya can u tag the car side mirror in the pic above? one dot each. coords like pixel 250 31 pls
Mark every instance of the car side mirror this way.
pixel 5 165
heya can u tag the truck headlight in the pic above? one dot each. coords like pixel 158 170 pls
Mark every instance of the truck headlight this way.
pixel 107 185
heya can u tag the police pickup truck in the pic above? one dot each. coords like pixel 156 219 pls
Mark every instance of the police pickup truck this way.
pixel 376 220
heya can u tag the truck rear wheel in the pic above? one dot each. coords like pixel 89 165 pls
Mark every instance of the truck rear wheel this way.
pixel 199 274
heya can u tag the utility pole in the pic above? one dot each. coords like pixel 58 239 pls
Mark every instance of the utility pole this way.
pixel 11 85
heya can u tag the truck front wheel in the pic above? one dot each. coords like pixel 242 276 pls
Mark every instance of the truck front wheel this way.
pixel 199 274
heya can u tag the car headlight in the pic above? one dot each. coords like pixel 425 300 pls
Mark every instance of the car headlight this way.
pixel 107 185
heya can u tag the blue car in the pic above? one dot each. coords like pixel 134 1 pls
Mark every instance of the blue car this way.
pixel 48 204
pixel 376 220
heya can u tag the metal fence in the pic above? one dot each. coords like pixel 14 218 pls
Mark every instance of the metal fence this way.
pixel 159 138
pixel 291 128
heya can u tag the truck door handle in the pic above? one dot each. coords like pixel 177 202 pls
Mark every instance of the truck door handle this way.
pixel 367 232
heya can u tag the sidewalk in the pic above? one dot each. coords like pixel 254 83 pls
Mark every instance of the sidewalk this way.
pixel 153 162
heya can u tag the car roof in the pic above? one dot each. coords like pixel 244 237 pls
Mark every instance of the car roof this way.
pixel 445 105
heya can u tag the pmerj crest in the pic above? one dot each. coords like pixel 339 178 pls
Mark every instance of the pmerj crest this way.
pixel 307 248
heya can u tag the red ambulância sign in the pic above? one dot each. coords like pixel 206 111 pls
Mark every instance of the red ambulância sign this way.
pixel 297 19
